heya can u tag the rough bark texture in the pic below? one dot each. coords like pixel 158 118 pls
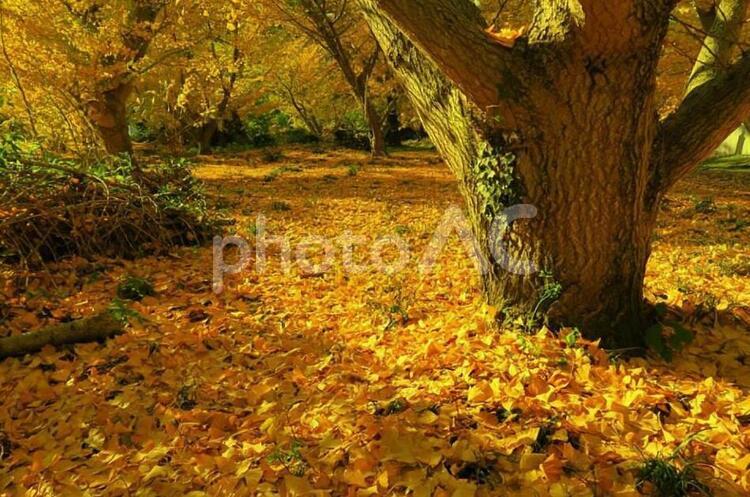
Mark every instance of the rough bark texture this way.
pixel 566 121
pixel 109 115
pixel 99 327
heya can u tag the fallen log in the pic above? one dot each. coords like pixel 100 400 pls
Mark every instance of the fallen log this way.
pixel 99 327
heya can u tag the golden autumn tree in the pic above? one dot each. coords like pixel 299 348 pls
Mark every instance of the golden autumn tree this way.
pixel 335 26
pixel 195 94
pixel 92 52
pixel 562 116
pixel 304 82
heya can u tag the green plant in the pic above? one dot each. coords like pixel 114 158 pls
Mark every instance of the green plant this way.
pixel 549 292
pixel 135 288
pixel 571 338
pixel 290 458
pixel 704 206
pixel 281 170
pixel 395 309
pixel 279 206
pixel 258 130
pixel 120 311
pixel 492 173
pixel 666 479
pixel 401 230
pixel 352 169
pixel 667 337
pixel 393 407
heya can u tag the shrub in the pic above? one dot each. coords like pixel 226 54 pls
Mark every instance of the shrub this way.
pixel 353 132
pixel 299 136
pixel 111 208
pixel 135 288
pixel 258 130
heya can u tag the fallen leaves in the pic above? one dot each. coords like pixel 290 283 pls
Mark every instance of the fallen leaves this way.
pixel 293 386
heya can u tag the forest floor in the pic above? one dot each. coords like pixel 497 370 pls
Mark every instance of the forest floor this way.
pixel 373 383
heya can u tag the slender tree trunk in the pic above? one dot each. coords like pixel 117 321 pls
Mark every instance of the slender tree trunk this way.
pixel 740 149
pixel 393 123
pixel 377 134
pixel 206 136
pixel 109 115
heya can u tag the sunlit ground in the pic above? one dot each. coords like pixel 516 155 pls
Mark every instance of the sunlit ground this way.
pixel 373 383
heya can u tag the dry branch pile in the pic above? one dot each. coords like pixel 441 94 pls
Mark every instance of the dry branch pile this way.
pixel 50 209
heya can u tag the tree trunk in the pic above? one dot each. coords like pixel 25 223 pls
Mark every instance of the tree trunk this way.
pixel 557 144
pixel 579 184
pixel 393 136
pixel 206 136
pixel 377 134
pixel 741 139
pixel 109 115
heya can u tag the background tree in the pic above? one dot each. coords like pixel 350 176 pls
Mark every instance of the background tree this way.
pixel 530 119
pixel 93 53
pixel 199 94
pixel 334 26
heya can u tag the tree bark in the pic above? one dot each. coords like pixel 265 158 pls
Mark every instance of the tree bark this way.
pixel 109 115
pixel 99 327
pixel 377 133
pixel 571 133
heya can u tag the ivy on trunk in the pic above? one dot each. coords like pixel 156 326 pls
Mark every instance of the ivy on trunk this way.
pixel 563 121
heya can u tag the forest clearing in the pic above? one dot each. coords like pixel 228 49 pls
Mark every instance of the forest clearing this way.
pixel 359 248
pixel 360 384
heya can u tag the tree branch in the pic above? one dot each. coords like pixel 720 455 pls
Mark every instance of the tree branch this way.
pixel 702 122
pixel 720 41
pixel 454 36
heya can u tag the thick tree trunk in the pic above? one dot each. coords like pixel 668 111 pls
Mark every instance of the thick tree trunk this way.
pixel 577 162
pixel 562 123
pixel 109 115
pixel 581 259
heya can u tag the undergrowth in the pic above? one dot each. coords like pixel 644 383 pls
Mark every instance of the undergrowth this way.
pixel 51 207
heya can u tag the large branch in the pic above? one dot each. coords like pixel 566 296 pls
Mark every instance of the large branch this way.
pixel 453 34
pixel 720 41
pixel 702 122
pixel 99 327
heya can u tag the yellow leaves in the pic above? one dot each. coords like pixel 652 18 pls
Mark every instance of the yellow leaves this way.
pixel 480 392
pixel 410 447
pixel 521 438
pixel 155 472
pixel 356 477
pixel 507 36
pixel 530 461
pixel 304 362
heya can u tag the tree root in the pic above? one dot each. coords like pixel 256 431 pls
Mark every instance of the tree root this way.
pixel 99 327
